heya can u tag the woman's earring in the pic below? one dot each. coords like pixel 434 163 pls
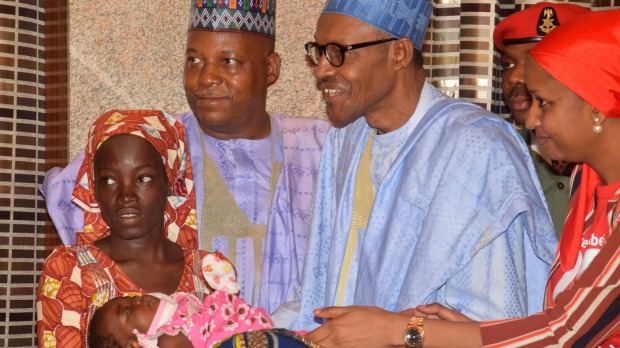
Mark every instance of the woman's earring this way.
pixel 597 128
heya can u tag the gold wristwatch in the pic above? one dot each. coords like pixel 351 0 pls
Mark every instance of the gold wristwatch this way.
pixel 414 333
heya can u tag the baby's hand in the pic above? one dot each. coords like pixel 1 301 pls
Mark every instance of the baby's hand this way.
pixel 220 273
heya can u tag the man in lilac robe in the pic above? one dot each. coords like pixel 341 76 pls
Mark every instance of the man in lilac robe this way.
pixel 244 159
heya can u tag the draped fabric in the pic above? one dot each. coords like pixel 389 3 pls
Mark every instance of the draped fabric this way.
pixel 67 289
pixel 460 213
pixel 589 297
pixel 459 56
pixel 204 322
pixel 297 142
pixel 263 339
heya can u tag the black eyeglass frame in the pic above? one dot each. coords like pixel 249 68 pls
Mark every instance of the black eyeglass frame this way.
pixel 343 49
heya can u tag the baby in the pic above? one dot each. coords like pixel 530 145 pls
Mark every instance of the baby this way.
pixel 179 320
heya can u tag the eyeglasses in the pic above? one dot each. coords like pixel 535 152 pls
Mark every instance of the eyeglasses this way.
pixel 334 52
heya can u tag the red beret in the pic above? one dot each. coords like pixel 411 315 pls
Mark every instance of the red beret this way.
pixel 583 55
pixel 531 24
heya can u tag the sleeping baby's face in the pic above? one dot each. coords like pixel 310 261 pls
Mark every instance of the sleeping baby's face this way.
pixel 121 315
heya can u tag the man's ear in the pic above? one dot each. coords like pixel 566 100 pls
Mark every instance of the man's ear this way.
pixel 273 68
pixel 403 51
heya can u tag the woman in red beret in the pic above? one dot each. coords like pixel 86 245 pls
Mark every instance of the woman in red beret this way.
pixel 574 76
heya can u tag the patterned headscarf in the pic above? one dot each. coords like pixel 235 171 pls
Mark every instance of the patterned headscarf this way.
pixel 583 55
pixel 167 135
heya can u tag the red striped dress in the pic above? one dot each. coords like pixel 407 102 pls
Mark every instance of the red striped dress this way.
pixel 582 304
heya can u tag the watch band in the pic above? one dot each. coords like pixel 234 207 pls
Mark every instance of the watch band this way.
pixel 414 333
pixel 415 322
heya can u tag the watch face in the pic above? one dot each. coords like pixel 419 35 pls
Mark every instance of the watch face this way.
pixel 413 337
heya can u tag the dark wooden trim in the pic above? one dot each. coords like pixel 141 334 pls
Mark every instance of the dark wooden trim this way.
pixel 56 96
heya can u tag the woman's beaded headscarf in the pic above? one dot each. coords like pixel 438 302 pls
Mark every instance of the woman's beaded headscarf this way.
pixel 584 56
pixel 167 136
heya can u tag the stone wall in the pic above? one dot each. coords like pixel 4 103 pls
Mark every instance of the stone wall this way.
pixel 128 54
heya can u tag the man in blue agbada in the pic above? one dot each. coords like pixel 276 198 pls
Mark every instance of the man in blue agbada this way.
pixel 420 198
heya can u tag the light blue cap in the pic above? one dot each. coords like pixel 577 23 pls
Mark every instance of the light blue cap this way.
pixel 399 18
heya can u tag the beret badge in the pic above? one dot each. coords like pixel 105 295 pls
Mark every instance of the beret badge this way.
pixel 547 21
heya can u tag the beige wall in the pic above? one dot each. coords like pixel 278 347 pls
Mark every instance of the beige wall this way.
pixel 129 54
